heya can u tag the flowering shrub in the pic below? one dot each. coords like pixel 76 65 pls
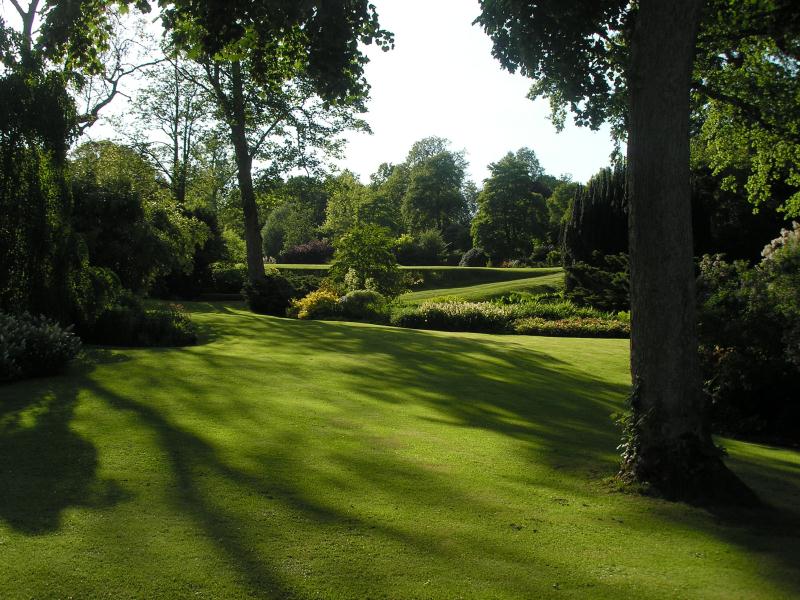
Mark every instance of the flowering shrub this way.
pixel 32 346
pixel 573 327
pixel 482 317
pixel 522 313
pixel 319 304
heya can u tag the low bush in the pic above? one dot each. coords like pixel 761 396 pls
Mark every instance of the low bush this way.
pixel 319 304
pixel 539 315
pixel 483 317
pixel 33 346
pixel 270 295
pixel 130 324
pixel 573 327
pixel 475 257
pixel 310 253
pixel 302 285
pixel 547 306
pixel 426 248
pixel 364 305
pixel 228 278
pixel 603 283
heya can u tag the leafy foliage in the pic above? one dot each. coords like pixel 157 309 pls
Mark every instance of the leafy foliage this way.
pixel 573 327
pixel 474 257
pixel 435 195
pixel 750 337
pixel 364 260
pixel 131 225
pixel 511 212
pixel 426 248
pixel 34 346
pixel 319 304
pixel 269 295
pixel 519 313
pixel 312 252
pixel 130 324
pixel 364 305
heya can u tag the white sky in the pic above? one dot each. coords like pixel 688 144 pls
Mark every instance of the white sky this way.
pixel 441 79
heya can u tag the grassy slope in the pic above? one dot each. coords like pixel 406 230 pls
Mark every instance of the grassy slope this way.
pixel 486 291
pixel 335 460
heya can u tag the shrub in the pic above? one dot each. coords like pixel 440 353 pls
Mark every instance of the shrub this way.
pixel 604 283
pixel 431 245
pixel 454 316
pixel 130 324
pixel 364 305
pixel 270 295
pixel 364 260
pixel 302 285
pixel 474 257
pixel 573 327
pixel 313 252
pixel 515 264
pixel 320 304
pixel 34 346
pixel 749 327
pixel 518 313
pixel 228 278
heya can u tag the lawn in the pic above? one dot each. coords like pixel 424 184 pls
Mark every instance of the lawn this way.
pixel 546 281
pixel 291 459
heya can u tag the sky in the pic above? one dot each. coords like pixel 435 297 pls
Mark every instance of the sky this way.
pixel 442 80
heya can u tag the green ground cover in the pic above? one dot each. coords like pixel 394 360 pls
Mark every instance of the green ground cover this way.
pixel 438 277
pixel 546 281
pixel 291 459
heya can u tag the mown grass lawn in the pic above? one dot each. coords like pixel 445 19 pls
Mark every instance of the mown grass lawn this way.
pixel 289 459
pixel 541 283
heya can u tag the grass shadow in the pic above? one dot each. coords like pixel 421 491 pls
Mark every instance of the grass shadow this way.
pixel 45 466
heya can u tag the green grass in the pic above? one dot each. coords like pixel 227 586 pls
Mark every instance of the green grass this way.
pixel 543 282
pixel 291 459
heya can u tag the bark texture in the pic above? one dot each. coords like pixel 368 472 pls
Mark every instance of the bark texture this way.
pixel 668 444
pixel 244 168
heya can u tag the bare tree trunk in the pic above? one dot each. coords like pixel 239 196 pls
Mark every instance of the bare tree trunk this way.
pixel 244 168
pixel 669 446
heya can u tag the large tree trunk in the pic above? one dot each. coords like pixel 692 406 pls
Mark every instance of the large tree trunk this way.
pixel 244 171
pixel 668 444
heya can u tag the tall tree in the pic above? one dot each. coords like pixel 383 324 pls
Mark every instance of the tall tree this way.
pixel 171 118
pixel 633 64
pixel 434 194
pixel 54 46
pixel 278 68
pixel 511 213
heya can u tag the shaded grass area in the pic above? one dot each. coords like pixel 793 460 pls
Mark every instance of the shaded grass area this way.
pixel 547 281
pixel 436 277
pixel 289 459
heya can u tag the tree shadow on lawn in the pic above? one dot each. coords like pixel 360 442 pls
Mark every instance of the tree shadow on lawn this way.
pixel 561 413
pixel 553 408
pixel 45 466
pixel 195 461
